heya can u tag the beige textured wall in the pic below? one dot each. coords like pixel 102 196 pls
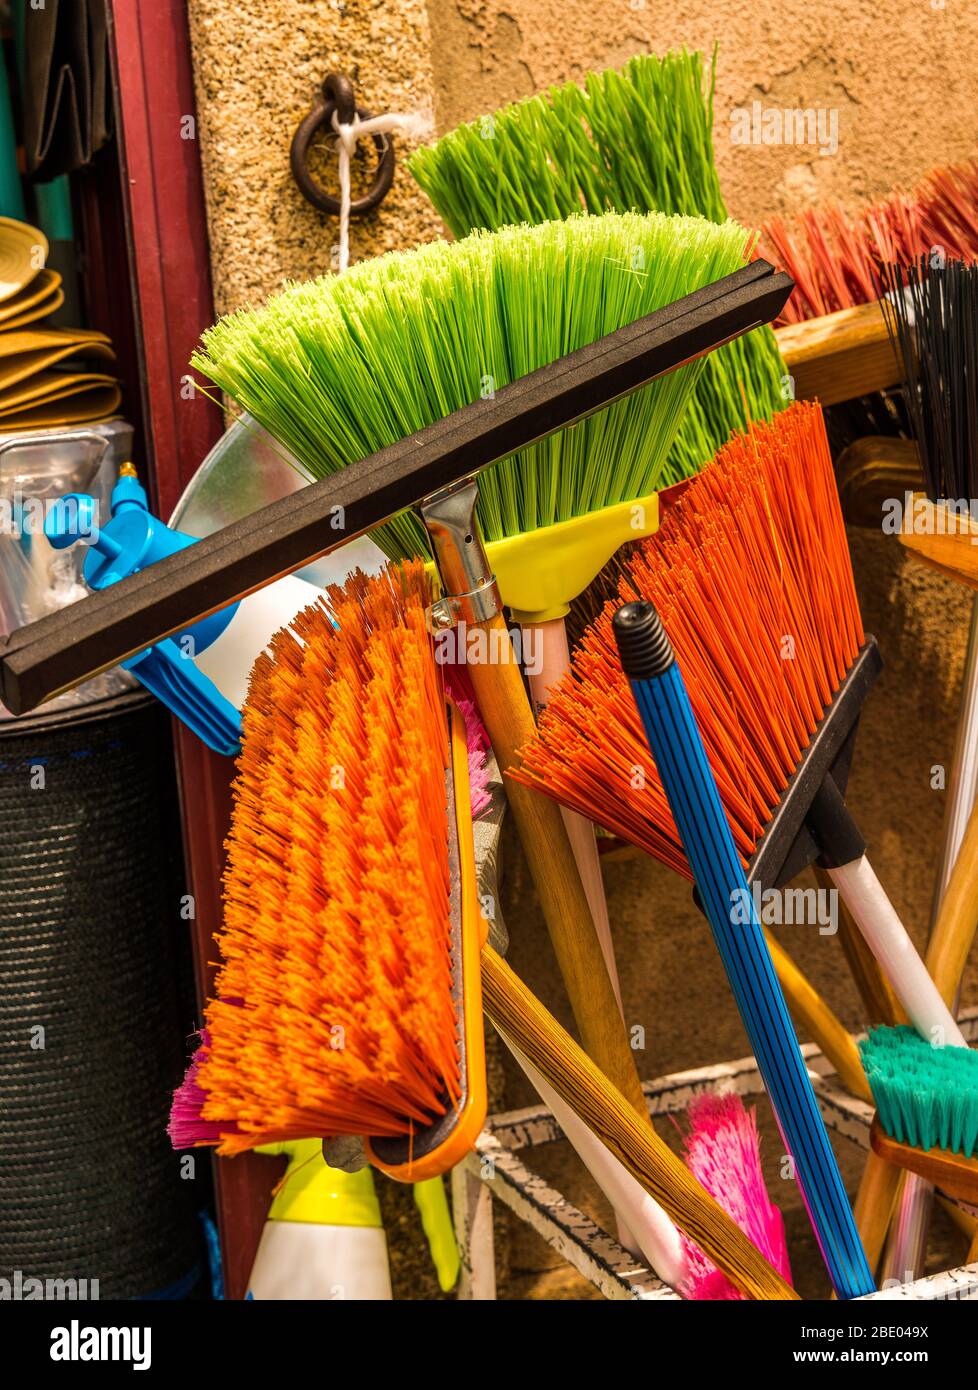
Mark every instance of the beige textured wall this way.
pixel 259 65
pixel 899 76
pixel 900 73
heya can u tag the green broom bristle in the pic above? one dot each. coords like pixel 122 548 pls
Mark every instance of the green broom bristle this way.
pixel 339 367
pixel 925 1096
pixel 635 140
pixel 639 139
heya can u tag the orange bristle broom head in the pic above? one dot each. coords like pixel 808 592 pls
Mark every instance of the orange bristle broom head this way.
pixel 348 1001
pixel 751 576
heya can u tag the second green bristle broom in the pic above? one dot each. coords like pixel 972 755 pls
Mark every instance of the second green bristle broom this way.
pixel 638 139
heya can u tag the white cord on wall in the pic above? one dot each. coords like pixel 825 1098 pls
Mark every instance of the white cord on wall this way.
pixel 348 135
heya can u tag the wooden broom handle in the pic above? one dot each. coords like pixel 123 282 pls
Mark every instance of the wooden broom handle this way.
pixel 957 918
pixel 506 713
pixel 518 1014
pixel 879 1188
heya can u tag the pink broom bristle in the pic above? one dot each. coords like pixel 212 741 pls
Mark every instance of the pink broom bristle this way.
pixel 723 1150
pixel 459 686
pixel 187 1127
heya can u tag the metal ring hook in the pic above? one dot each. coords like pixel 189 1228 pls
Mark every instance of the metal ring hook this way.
pixel 337 95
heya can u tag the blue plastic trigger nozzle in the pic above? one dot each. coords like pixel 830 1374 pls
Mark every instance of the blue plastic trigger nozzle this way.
pixel 132 539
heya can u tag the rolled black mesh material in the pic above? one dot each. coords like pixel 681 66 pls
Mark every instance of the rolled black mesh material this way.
pixel 94 951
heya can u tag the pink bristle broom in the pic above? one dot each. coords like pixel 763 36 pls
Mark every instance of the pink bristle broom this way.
pixel 723 1150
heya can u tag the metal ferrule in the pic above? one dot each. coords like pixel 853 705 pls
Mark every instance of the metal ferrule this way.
pixel 471 594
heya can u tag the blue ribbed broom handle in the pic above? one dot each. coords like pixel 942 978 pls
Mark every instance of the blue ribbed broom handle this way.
pixel 674 739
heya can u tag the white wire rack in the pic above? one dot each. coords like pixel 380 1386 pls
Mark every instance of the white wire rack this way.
pixel 496 1170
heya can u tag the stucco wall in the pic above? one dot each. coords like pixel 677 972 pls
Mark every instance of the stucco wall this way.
pixel 259 65
pixel 900 75
pixel 897 80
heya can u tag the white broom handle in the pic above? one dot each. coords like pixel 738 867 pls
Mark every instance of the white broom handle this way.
pixel 963 783
pixel 545 649
pixel 653 1231
pixel 908 1242
pixel 547 656
pixel 889 942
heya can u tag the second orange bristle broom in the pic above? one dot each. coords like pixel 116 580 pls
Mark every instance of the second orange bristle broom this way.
pixel 338 892
pixel 752 579
pixel 341 1007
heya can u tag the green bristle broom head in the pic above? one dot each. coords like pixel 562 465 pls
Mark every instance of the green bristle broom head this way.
pixel 925 1096
pixel 638 139
pixel 339 367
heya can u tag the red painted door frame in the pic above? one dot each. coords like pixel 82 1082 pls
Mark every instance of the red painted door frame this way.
pixel 170 285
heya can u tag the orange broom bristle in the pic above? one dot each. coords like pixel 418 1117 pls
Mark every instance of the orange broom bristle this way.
pixel 333 1012
pixel 752 578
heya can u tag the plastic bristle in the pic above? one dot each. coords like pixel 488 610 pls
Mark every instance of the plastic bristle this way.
pixel 723 1150
pixel 477 742
pixel 925 1096
pixel 333 1010
pixel 635 139
pixel 640 137
pixel 835 257
pixel 338 368
pixel 751 576
pixel 932 315
pixel 187 1127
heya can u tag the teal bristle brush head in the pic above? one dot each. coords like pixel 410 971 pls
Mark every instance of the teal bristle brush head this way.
pixel 925 1096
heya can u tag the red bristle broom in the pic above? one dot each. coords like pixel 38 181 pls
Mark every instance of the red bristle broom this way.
pixel 337 1009
pixel 949 211
pixel 835 257
pixel 832 258
pixel 752 579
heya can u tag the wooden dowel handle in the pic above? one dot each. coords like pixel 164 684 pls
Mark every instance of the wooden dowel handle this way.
pixel 878 1191
pixel 506 713
pixel 812 1011
pixel 518 1014
pixel 957 918
pixel 973 1250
